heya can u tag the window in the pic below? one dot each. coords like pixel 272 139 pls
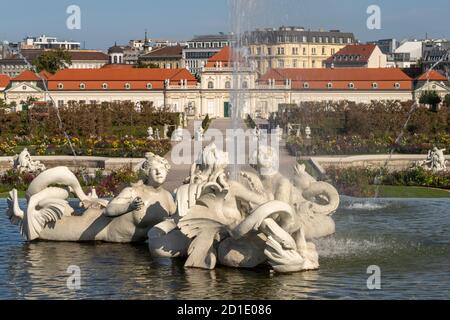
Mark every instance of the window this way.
pixel 294 63
pixel 82 86
pixel 280 51
pixel 60 103
pixel 313 50
pixel 397 85
pixel 228 85
pixel 351 85
pixel 374 85
pixel 281 63
pixel 323 51
pixel 295 51
pixel 60 86
pixel 105 86
pixel 24 88
pixel 210 85
pixel 149 85
pixel 329 85
pixel 244 85
pixel 127 86
pixel 306 85
pixel 304 51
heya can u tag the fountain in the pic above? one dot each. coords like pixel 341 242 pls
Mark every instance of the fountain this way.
pixel 259 218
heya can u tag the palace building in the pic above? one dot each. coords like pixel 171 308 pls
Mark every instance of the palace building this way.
pixel 179 89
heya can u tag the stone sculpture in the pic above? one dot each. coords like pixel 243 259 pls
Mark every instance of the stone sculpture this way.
pixel 24 164
pixel 150 133
pixel 435 160
pixel 198 135
pixel 177 135
pixel 261 218
pixel 126 218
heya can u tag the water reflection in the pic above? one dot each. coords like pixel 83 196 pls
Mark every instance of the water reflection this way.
pixel 408 239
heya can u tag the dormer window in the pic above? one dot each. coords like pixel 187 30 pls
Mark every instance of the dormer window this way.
pixel 374 85
pixel 149 86
pixel 105 86
pixel 127 86
pixel 60 86
pixel 82 86
pixel 351 85
pixel 306 85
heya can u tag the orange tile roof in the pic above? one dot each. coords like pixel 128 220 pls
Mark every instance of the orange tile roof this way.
pixel 340 78
pixel 26 75
pixel 4 81
pixel 432 76
pixel 363 51
pixel 225 55
pixel 116 79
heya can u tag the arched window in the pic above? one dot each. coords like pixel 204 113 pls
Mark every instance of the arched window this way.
pixel 228 85
pixel 210 85
pixel 149 85
pixel 127 86
pixel 105 86
pixel 60 86
pixel 82 86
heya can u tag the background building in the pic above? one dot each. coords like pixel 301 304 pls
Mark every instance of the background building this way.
pixel 45 42
pixel 201 48
pixel 358 56
pixel 170 57
pixel 293 47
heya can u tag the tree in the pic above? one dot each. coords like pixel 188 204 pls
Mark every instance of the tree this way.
pixel 3 104
pixel 447 100
pixel 431 98
pixel 52 61
pixel 142 65
pixel 205 123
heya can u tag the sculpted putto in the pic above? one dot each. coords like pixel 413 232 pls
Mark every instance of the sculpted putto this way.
pixel 435 160
pixel 23 163
pixel 127 218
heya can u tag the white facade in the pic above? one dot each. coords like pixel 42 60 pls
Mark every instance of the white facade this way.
pixel 45 42
pixel 377 59
pixel 414 48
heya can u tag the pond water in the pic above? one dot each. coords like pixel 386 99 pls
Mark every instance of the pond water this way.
pixel 408 239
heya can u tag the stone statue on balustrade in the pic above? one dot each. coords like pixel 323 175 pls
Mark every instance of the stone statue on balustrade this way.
pixel 23 163
pixel 435 161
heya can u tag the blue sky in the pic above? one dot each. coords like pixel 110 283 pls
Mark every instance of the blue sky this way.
pixel 103 21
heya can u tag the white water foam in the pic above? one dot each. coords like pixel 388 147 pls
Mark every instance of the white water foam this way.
pixel 332 248
pixel 368 205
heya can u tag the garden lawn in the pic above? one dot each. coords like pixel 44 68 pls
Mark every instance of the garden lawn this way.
pixel 4 195
pixel 411 192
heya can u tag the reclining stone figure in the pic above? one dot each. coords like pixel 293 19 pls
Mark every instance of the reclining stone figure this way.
pixel 127 218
